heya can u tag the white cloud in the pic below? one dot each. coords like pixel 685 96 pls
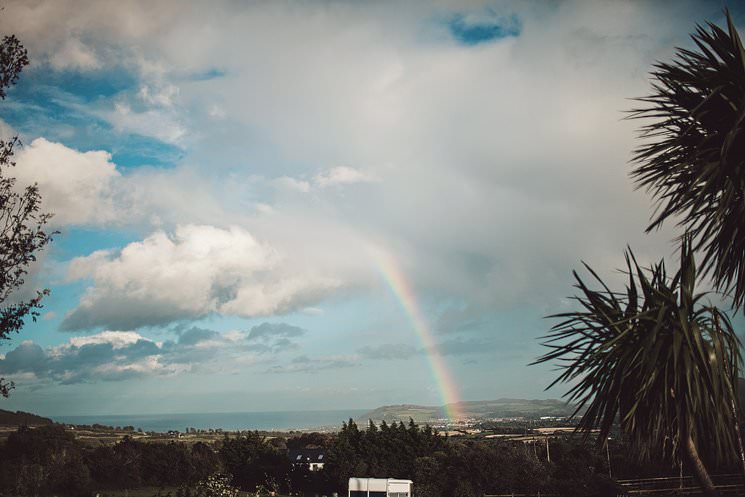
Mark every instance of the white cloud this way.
pixel 158 123
pixel 195 271
pixel 151 365
pixel 117 339
pixel 73 54
pixel 86 188
pixel 162 95
pixel 77 187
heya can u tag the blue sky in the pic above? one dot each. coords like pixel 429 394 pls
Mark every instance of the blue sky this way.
pixel 222 172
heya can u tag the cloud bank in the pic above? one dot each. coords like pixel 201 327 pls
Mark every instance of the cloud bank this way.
pixel 123 355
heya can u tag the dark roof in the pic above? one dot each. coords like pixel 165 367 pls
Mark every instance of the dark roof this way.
pixel 307 455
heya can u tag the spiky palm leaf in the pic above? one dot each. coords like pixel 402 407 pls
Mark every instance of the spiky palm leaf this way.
pixel 653 357
pixel 694 161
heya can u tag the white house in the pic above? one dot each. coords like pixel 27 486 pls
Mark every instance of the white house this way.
pixel 313 459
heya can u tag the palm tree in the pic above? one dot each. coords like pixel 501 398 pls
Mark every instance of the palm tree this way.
pixel 656 358
pixel 693 162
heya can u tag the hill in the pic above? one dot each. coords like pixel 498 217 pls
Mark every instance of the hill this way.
pixel 481 409
pixel 484 409
pixel 18 418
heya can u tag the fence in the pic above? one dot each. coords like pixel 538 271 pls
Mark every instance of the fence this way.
pixel 726 485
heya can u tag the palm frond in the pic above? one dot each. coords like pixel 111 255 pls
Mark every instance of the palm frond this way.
pixel 693 163
pixel 652 358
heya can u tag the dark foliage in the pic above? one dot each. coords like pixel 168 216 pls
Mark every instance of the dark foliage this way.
pixel 43 461
pixel 49 461
pixel 308 441
pixel 655 344
pixel 130 464
pixel 13 58
pixel 389 451
pixel 580 471
pixel 694 160
pixel 252 461
pixel 20 418
pixel 442 467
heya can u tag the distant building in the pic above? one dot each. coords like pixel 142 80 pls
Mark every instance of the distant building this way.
pixel 313 459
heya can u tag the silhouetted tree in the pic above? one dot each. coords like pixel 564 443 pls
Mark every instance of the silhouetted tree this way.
pixel 43 461
pixel 308 441
pixel 22 232
pixel 693 162
pixel 657 359
pixel 252 461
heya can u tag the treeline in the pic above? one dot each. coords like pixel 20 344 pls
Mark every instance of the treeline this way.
pixel 442 467
pixel 49 461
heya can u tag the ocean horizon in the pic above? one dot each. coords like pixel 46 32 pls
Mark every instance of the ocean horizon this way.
pixel 231 421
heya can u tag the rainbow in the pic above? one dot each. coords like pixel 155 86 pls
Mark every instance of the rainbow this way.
pixel 396 280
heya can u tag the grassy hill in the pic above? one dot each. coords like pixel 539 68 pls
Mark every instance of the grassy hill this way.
pixel 481 409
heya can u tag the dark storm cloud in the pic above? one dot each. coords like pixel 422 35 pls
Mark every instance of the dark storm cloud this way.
pixel 89 362
pixel 110 313
pixel 27 357
pixel 194 335
pixel 268 331
pixel 113 356
pixel 273 338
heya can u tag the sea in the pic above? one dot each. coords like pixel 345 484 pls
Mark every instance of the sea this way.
pixel 229 421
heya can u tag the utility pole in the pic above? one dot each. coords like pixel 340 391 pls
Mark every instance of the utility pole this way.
pixel 607 453
pixel 548 451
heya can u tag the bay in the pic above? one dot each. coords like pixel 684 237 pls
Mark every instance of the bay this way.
pixel 230 421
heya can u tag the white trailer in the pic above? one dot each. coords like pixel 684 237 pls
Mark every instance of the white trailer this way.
pixel 379 487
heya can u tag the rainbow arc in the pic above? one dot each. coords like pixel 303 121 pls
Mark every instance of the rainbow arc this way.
pixel 396 280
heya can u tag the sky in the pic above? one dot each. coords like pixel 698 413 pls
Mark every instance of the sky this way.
pixel 322 204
